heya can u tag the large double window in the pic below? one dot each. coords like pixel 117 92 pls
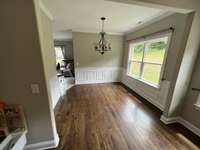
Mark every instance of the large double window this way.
pixel 146 59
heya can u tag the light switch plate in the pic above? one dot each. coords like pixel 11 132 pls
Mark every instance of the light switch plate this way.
pixel 35 89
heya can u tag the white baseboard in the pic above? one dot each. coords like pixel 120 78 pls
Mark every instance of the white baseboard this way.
pixel 167 120
pixel 144 93
pixel 190 126
pixel 43 145
pixel 185 123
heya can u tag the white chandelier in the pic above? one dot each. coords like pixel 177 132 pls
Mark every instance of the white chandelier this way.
pixel 102 46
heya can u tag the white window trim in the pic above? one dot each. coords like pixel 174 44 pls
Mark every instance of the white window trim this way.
pixel 197 106
pixel 197 103
pixel 166 34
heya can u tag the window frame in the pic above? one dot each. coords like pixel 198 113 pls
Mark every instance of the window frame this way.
pixel 148 40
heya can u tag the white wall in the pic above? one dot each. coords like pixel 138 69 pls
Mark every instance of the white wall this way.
pixel 91 66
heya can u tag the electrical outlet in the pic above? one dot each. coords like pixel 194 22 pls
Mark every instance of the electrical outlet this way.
pixel 35 89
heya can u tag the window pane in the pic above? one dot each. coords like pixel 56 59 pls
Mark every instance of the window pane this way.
pixel 59 53
pixel 135 69
pixel 151 73
pixel 137 52
pixel 156 51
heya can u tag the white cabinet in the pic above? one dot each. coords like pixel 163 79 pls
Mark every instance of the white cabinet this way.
pixel 14 141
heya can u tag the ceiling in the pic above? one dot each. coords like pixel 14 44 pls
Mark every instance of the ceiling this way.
pixel 84 15
pixel 63 35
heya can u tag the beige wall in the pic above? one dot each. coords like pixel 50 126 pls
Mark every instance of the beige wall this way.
pixel 86 56
pixel 48 55
pixel 182 73
pixel 177 21
pixel 157 96
pixel 90 65
pixel 188 110
pixel 21 65
pixel 183 83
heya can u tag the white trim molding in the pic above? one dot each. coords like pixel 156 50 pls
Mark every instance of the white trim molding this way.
pixel 150 20
pixel 154 5
pixel 45 10
pixel 97 75
pixel 185 123
pixel 197 107
pixel 167 120
pixel 96 32
pixel 43 145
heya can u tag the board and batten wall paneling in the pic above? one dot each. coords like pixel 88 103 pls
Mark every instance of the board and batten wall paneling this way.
pixel 97 75
pixel 90 65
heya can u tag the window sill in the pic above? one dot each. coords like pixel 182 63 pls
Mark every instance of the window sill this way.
pixel 157 87
pixel 197 107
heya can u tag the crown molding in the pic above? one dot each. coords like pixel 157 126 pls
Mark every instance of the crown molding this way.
pixel 147 3
pixel 45 10
pixel 145 23
pixel 97 32
pixel 150 21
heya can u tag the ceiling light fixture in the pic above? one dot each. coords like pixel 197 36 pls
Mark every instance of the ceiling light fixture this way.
pixel 102 46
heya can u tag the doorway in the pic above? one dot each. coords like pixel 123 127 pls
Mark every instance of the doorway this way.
pixel 64 64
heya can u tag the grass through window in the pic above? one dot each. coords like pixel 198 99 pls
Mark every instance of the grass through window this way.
pixel 147 58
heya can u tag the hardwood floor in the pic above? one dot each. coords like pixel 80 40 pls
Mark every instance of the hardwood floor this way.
pixel 111 117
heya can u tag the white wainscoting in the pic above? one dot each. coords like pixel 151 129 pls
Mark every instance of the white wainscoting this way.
pixel 97 75
pixel 156 96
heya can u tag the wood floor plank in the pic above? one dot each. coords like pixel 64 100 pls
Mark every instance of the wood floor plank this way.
pixel 111 117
